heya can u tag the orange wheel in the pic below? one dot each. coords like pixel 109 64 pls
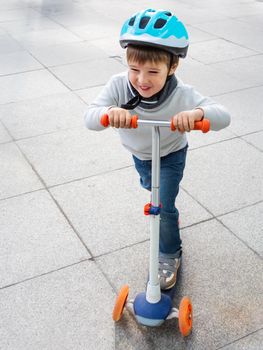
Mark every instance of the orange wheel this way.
pixel 185 316
pixel 120 303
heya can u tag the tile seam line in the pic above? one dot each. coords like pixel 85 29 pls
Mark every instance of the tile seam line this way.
pixel 55 21
pixel 48 67
pixel 82 127
pixel 147 239
pixel 111 171
pixel 237 90
pixel 77 234
pixel 240 239
pixel 237 340
pixel 70 224
pixel 182 229
pixel 240 208
pixel 47 133
pixel 38 97
pixel 45 273
pixel 90 176
pixel 8 132
pixel 62 184
pixel 22 71
pixel 211 64
pixel 216 217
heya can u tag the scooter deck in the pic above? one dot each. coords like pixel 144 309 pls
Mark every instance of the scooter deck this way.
pixel 170 292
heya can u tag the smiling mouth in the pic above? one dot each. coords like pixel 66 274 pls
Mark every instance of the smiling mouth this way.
pixel 144 88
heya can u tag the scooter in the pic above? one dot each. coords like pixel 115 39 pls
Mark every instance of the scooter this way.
pixel 153 307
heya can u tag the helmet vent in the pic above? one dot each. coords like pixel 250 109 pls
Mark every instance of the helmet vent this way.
pixel 168 13
pixel 159 23
pixel 132 20
pixel 143 22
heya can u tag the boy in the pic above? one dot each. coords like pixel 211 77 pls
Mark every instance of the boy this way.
pixel 155 40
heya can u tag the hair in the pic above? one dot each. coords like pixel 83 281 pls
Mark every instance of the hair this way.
pixel 142 54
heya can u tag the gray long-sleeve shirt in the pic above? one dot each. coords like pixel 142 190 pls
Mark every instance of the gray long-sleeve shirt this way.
pixel 138 141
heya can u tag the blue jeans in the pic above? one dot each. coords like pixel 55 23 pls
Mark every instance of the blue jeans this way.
pixel 171 174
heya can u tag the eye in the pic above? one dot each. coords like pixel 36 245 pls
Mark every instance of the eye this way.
pixel 153 72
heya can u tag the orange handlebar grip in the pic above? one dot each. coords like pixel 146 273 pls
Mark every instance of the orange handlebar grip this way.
pixel 172 125
pixel 203 125
pixel 104 120
pixel 134 123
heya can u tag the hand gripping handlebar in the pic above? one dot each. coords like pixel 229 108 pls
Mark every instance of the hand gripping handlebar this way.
pixel 203 125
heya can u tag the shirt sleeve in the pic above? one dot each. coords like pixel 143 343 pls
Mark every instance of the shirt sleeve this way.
pixel 107 98
pixel 217 114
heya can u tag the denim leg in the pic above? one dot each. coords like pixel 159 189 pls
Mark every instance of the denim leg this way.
pixel 171 173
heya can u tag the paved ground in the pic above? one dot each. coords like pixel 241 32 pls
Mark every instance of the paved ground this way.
pixel 71 225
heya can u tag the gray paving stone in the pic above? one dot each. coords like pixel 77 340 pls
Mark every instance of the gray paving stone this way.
pixel 113 13
pixel 4 136
pixel 86 74
pixel 16 174
pixel 107 210
pixel 41 239
pixel 45 38
pixel 74 154
pixel 255 139
pixel 217 50
pixel 11 5
pixel 217 175
pixel 125 199
pixel 190 211
pixel 52 6
pixel 251 68
pixel 22 25
pixel 235 31
pixel 20 61
pixel 29 85
pixel 196 35
pixel 207 79
pixel 18 13
pixel 198 139
pixel 251 342
pixel 110 46
pixel 247 224
pixel 89 95
pixel 238 9
pixel 67 309
pixel 214 278
pixel 92 31
pixel 43 115
pixel 8 44
pixel 68 53
pixel 246 116
pixel 255 20
pixel 70 15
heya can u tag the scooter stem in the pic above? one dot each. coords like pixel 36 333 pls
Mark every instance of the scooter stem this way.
pixel 153 292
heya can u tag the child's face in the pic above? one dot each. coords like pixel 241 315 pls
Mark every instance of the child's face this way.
pixel 148 78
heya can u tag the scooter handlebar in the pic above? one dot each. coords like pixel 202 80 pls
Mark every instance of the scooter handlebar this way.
pixel 104 120
pixel 203 125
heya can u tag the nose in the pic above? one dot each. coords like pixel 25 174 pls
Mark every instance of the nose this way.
pixel 142 78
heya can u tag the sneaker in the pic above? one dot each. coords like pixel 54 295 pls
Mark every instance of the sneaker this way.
pixel 168 268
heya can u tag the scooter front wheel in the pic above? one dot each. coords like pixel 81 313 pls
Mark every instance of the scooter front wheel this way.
pixel 120 303
pixel 185 316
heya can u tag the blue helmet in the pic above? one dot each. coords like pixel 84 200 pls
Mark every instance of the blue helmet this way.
pixel 156 28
